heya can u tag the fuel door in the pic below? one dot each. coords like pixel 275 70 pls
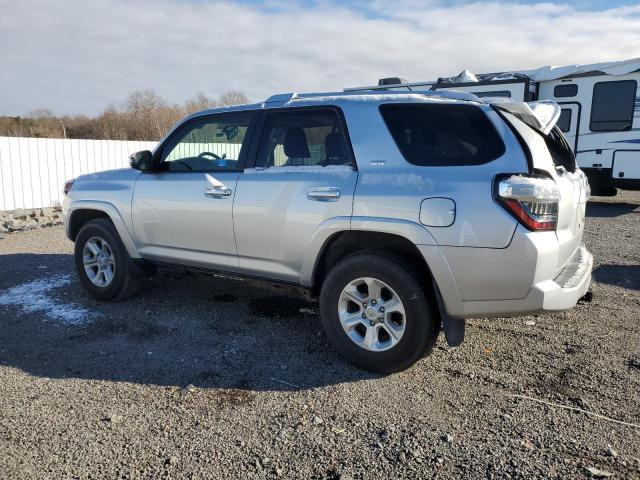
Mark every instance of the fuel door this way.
pixel 437 212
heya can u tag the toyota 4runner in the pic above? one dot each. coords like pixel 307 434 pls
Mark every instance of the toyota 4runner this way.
pixel 400 212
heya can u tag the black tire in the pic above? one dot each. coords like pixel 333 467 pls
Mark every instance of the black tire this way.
pixel 421 327
pixel 127 277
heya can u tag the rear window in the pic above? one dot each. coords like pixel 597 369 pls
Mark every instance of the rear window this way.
pixel 433 135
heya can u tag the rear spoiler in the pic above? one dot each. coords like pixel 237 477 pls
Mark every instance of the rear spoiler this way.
pixel 541 116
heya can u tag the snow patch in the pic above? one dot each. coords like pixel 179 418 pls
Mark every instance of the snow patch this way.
pixel 338 170
pixel 35 296
pixel 397 180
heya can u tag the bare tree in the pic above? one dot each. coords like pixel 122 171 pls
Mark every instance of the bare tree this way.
pixel 200 102
pixel 232 97
pixel 145 115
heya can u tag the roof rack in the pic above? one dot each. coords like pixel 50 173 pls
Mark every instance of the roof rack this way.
pixel 379 90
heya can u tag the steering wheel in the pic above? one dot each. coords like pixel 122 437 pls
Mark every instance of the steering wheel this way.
pixel 210 154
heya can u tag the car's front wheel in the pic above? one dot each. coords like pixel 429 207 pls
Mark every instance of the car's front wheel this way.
pixel 375 312
pixel 104 267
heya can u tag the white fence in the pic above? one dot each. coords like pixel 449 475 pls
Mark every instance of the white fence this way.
pixel 33 170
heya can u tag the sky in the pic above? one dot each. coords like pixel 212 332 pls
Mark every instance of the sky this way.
pixel 77 57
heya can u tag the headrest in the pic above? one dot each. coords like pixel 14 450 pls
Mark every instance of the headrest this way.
pixel 334 148
pixel 295 143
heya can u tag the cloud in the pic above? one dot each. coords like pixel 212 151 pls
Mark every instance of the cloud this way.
pixel 77 57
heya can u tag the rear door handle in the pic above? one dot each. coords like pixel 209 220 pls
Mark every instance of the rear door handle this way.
pixel 217 192
pixel 324 194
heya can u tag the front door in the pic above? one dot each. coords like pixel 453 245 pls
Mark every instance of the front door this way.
pixel 182 212
pixel 304 179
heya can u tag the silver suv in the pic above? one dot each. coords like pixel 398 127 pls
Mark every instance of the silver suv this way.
pixel 400 212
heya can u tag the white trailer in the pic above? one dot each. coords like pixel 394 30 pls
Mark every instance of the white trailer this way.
pixel 600 113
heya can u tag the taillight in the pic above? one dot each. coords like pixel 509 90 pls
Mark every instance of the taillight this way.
pixel 532 200
pixel 67 186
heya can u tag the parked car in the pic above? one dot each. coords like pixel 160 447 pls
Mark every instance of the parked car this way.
pixel 399 212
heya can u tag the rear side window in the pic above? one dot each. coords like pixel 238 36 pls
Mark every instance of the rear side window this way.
pixel 568 90
pixel 306 137
pixel 612 106
pixel 442 134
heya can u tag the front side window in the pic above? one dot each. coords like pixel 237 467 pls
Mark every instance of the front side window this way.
pixel 564 121
pixel 213 143
pixel 440 134
pixel 612 106
pixel 297 138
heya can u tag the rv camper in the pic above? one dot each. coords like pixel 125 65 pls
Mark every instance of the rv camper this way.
pixel 600 111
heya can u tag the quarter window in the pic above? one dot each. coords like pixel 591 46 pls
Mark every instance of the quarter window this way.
pixel 612 106
pixel 213 143
pixel 564 121
pixel 298 138
pixel 441 134
pixel 569 90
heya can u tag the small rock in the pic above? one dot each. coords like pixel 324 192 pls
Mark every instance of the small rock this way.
pixel 610 452
pixel 527 444
pixel 279 471
pixel 597 473
pixel 190 388
pixel 439 460
pixel 317 420
pixel 447 438
pixel 112 418
pixel 171 461
pixel 402 457
pixel 529 323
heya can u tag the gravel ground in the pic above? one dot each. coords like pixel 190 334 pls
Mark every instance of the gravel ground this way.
pixel 206 377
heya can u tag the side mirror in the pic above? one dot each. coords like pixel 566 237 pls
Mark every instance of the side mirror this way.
pixel 142 161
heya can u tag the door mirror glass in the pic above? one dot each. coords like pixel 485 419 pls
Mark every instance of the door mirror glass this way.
pixel 142 161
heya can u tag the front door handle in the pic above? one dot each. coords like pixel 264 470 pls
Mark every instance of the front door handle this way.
pixel 324 194
pixel 217 192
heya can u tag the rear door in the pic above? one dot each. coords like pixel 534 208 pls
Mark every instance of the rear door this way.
pixel 304 179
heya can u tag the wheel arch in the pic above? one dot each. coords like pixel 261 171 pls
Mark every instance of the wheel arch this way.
pixel 82 212
pixel 347 242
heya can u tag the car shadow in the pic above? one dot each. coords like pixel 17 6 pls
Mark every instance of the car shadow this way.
pixel 183 329
pixel 610 209
pixel 625 276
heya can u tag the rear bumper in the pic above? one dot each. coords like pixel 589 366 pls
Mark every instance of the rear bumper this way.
pixel 468 292
pixel 561 293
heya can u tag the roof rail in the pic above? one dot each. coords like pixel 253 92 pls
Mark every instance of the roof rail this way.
pixel 387 86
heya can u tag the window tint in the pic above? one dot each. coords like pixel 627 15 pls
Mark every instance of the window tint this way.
pixel 499 93
pixel 564 121
pixel 303 137
pixel 440 134
pixel 612 106
pixel 210 144
pixel 569 90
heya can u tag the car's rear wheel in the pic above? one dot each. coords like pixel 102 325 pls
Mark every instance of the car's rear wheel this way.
pixel 375 312
pixel 104 267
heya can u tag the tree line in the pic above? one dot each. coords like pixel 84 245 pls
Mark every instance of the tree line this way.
pixel 145 115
